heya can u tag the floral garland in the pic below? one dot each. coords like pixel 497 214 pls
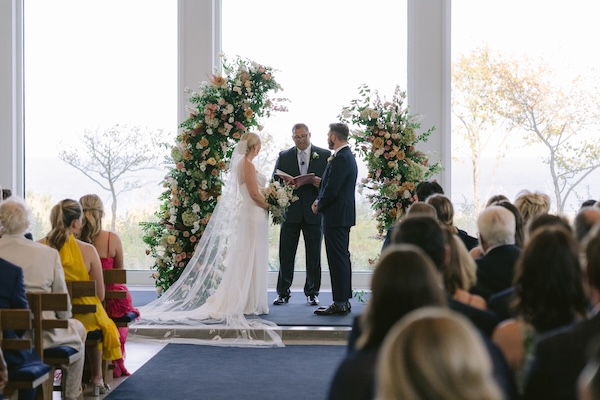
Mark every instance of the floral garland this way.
pixel 386 138
pixel 221 111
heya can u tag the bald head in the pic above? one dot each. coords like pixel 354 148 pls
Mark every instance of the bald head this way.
pixel 496 227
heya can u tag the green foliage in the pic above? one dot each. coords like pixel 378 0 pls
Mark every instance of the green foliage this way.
pixel 222 110
pixel 386 136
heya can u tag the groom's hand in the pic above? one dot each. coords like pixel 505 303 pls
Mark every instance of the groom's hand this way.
pixel 316 181
pixel 314 206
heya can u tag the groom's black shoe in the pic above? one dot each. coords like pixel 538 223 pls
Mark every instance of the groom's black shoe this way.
pixel 333 309
pixel 281 300
pixel 312 300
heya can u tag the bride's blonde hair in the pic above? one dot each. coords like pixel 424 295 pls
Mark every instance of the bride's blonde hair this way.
pixel 252 138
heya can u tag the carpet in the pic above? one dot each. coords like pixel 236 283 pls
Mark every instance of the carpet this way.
pixel 295 313
pixel 184 371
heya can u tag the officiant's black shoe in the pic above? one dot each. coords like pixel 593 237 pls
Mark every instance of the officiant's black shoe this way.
pixel 333 309
pixel 312 300
pixel 281 300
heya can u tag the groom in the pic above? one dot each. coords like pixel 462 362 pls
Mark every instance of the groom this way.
pixel 338 213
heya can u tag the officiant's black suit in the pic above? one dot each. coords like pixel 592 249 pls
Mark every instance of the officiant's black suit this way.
pixel 336 204
pixel 299 217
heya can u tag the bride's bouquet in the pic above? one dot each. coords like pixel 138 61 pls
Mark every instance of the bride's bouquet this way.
pixel 279 196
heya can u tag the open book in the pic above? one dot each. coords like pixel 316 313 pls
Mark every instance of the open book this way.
pixel 297 181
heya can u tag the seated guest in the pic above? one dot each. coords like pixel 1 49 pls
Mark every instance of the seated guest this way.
pixel 588 383
pixel 445 215
pixel 547 220
pixel 477 252
pixel 503 302
pixel 6 193
pixel 12 295
pixel 460 272
pixel 43 272
pixel 404 280
pixel 585 219
pixel 426 233
pixel 434 354
pixel 418 207
pixel 423 190
pixel 561 355
pixel 495 199
pixel 109 247
pixel 519 227
pixel 80 262
pixel 588 203
pixel 549 291
pixel 497 237
pixel 532 204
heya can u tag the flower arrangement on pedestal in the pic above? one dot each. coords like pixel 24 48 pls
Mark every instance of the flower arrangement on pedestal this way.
pixel 221 111
pixel 385 136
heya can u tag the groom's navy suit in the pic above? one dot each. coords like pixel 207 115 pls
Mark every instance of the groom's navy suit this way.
pixel 337 206
pixel 299 217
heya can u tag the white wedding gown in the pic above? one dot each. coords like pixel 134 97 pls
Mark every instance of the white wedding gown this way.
pixel 244 283
pixel 223 289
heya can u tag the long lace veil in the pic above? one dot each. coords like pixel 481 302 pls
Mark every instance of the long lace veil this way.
pixel 182 313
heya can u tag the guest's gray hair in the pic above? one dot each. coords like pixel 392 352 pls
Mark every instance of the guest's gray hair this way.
pixel 496 226
pixel 15 216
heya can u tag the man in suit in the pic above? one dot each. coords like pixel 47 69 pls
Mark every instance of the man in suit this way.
pixel 495 269
pixel 338 211
pixel 43 272
pixel 303 158
pixel 12 295
pixel 560 356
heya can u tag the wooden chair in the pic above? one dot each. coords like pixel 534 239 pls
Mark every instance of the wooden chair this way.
pixel 78 289
pixel 30 376
pixel 117 276
pixel 57 355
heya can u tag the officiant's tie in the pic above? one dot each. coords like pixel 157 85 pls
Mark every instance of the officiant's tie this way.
pixel 303 163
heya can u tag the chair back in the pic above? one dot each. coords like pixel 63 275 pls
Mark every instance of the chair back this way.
pixel 79 289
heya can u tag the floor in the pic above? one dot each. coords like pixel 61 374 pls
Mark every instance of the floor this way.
pixel 139 352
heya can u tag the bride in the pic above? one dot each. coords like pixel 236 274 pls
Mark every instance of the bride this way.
pixel 224 286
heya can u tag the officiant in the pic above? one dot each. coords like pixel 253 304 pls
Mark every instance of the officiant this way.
pixel 303 158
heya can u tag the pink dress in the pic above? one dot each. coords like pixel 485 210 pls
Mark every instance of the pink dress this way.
pixel 116 308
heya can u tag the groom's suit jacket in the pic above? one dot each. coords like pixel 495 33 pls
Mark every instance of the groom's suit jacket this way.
pixel 288 163
pixel 336 195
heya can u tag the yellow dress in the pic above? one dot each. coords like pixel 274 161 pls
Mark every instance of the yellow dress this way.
pixel 75 270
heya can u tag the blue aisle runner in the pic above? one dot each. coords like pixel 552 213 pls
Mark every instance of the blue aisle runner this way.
pixel 184 371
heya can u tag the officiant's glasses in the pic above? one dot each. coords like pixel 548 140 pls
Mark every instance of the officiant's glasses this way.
pixel 299 137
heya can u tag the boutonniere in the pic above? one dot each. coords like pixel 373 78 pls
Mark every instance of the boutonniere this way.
pixel 330 159
pixel 315 155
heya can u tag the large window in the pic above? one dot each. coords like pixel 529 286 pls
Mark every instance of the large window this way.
pixel 92 68
pixel 528 115
pixel 323 50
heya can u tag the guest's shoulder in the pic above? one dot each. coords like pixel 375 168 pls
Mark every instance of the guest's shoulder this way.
pixel 9 268
pixel 579 333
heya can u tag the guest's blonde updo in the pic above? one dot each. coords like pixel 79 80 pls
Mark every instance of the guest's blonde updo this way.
pixel 252 138
pixel 61 217
pixel 532 204
pixel 93 211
